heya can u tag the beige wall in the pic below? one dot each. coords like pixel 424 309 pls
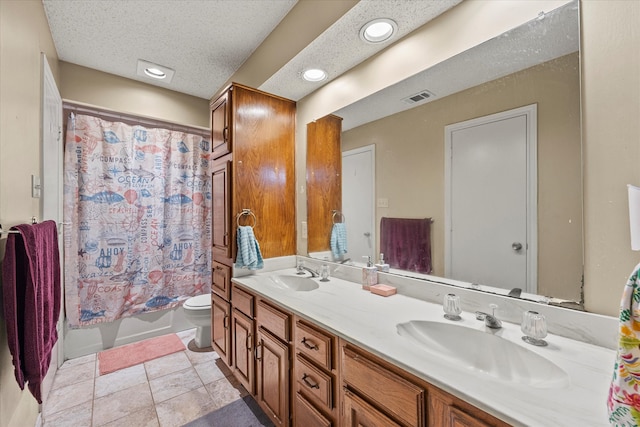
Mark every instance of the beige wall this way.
pixel 24 34
pixel 611 103
pixel 109 91
pixel 611 113
pixel 410 163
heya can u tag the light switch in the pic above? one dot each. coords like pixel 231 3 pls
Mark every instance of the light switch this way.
pixel 304 229
pixel 383 202
pixel 35 187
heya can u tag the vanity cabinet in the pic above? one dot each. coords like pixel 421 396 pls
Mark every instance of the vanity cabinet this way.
pixel 273 362
pixel 220 125
pixel 220 330
pixel 315 373
pixel 304 376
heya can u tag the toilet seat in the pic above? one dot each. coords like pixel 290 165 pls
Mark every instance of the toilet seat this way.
pixel 199 302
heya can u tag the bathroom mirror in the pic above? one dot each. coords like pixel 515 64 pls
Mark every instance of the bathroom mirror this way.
pixel 537 64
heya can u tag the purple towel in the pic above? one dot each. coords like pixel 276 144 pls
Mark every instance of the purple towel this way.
pixel 31 296
pixel 406 243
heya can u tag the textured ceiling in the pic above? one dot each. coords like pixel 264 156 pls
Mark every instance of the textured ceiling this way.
pixel 533 43
pixel 204 41
pixel 340 48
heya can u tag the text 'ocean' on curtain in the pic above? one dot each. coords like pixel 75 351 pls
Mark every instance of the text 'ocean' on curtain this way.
pixel 137 204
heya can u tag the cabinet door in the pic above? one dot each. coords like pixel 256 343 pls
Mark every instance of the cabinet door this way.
pixel 272 377
pixel 221 205
pixel 305 415
pixel 220 328
pixel 358 413
pixel 462 419
pixel 221 279
pixel 243 361
pixel 220 126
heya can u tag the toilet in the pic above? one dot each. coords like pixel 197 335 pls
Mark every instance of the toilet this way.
pixel 197 310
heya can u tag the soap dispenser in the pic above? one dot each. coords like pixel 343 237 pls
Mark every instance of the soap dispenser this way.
pixel 369 274
pixel 381 265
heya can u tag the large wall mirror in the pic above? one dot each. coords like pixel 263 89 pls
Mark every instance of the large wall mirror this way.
pixel 403 128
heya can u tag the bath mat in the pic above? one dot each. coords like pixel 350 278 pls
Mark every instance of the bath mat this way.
pixel 243 412
pixel 128 355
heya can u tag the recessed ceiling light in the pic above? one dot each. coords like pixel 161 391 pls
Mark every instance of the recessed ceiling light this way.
pixel 378 30
pixel 314 75
pixel 155 71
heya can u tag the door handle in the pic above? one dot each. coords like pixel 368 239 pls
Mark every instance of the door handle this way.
pixel 516 246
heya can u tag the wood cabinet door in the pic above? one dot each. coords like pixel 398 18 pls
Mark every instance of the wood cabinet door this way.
pixel 243 360
pixel 459 418
pixel 221 126
pixel 221 205
pixel 305 415
pixel 358 413
pixel 220 328
pixel 272 377
pixel 221 279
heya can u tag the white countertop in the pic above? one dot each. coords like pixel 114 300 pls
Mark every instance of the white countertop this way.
pixel 368 320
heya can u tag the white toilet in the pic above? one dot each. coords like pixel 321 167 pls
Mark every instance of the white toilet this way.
pixel 197 310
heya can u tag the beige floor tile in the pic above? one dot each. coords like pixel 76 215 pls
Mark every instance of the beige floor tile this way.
pixel 187 335
pixel 69 396
pixel 167 364
pixel 76 416
pixel 78 361
pixel 73 375
pixel 121 404
pixel 209 372
pixel 144 418
pixel 201 357
pixel 224 391
pixel 120 380
pixel 184 408
pixel 174 384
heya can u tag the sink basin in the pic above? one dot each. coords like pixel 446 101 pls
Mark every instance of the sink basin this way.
pixel 292 283
pixel 484 353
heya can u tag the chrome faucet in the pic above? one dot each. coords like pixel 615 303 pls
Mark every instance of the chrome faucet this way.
pixel 490 320
pixel 313 272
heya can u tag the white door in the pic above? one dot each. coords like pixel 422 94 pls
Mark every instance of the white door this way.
pixel 358 192
pixel 491 200
pixel 51 181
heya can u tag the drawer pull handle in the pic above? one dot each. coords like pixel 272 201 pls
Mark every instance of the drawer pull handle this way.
pixel 309 383
pixel 306 342
pixel 225 322
pixel 248 342
pixel 256 351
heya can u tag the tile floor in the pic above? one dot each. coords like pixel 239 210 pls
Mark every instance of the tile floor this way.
pixel 169 391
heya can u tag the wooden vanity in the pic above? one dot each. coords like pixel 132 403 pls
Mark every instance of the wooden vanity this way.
pixel 303 375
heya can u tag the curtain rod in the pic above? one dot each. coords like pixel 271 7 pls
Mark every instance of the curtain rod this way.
pixel 132 119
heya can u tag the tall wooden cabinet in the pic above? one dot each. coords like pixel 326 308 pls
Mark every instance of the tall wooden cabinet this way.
pixel 253 146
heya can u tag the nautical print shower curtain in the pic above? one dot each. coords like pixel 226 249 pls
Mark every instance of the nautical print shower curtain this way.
pixel 137 212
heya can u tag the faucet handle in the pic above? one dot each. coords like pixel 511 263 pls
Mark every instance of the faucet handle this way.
pixel 493 308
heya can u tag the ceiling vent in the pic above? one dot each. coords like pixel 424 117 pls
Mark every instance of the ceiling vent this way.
pixel 418 97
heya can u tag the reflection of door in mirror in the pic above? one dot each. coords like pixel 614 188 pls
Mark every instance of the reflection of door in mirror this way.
pixel 324 163
pixel 358 192
pixel 490 200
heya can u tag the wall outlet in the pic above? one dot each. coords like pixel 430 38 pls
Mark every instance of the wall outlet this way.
pixel 383 202
pixel 304 230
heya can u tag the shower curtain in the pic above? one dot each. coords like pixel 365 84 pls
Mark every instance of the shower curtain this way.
pixel 137 214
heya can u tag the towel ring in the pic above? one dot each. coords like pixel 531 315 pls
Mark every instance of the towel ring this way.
pixel 333 217
pixel 246 212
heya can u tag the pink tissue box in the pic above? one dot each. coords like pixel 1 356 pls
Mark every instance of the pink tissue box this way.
pixel 384 290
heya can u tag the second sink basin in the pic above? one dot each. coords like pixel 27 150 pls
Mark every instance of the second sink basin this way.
pixel 485 353
pixel 292 283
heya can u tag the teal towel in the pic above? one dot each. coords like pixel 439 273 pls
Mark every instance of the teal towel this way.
pixel 249 255
pixel 338 240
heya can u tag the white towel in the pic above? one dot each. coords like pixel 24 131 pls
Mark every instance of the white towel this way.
pixel 249 255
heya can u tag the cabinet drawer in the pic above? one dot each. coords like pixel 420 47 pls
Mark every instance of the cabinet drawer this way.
pixel 390 391
pixel 221 280
pixel 308 416
pixel 274 320
pixel 314 382
pixel 242 300
pixel 314 344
